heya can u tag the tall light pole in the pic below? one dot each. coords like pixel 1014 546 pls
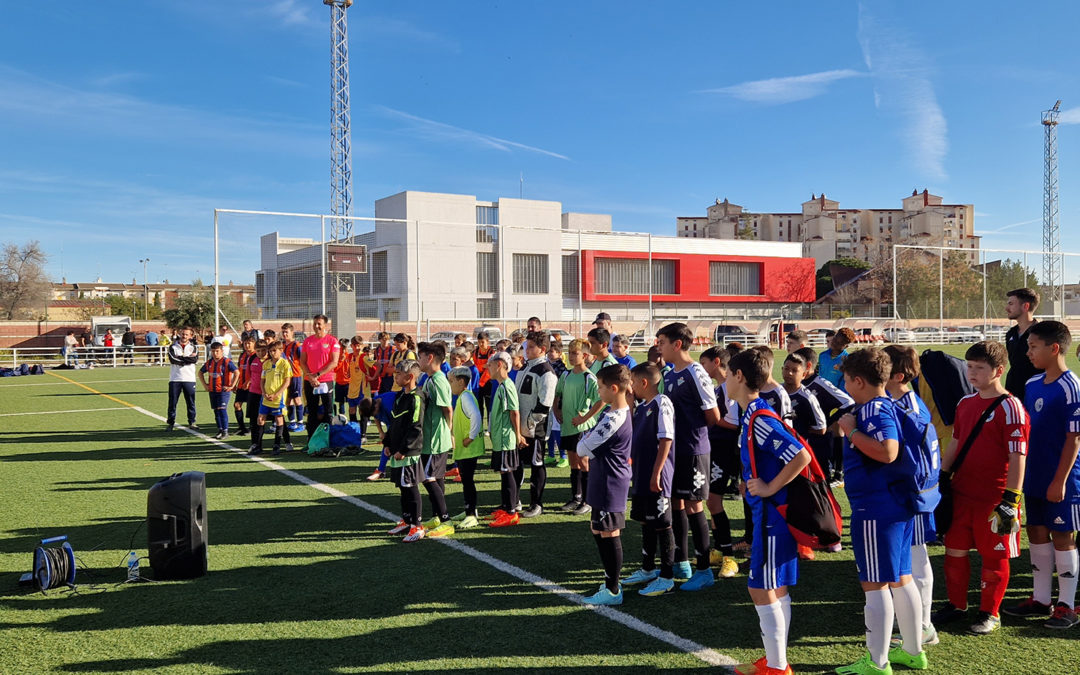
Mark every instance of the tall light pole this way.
pixel 146 290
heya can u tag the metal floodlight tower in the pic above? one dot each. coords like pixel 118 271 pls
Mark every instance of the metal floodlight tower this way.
pixel 1052 263
pixel 344 312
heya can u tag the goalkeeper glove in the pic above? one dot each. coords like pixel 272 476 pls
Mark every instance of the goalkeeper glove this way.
pixel 1005 517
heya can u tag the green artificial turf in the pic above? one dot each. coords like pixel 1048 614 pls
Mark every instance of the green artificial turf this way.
pixel 301 581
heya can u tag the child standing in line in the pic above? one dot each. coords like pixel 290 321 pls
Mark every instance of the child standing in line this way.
pixel 536 383
pixel 653 465
pixel 468 432
pixel 575 394
pixel 358 377
pixel 403 445
pixel 254 402
pixel 504 424
pixel 276 376
pixel 723 461
pixel 807 418
pixel 220 371
pixel 291 350
pixel 342 377
pixel 243 382
pixel 608 446
pixel 438 439
pixel 777 457
pixel 555 358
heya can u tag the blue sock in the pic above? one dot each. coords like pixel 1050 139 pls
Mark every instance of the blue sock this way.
pixel 383 459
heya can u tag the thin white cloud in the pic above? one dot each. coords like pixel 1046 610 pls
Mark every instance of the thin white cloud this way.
pixel 283 81
pixel 776 90
pixel 1011 226
pixel 293 12
pixel 114 79
pixel 1070 116
pixel 902 85
pixel 441 131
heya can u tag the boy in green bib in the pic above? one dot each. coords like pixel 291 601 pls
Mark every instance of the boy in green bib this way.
pixel 468 429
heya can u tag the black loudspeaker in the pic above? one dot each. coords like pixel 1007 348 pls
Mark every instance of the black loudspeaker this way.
pixel 176 522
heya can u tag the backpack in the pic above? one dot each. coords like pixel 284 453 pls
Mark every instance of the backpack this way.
pixel 811 512
pixel 342 435
pixel 320 440
pixel 918 467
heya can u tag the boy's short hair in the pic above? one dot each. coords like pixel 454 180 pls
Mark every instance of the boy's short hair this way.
pixel 601 335
pixel 261 343
pixel 357 340
pixel 648 371
pixel 677 331
pixel 248 338
pixel 1028 295
pixel 274 344
pixel 653 353
pixel 734 348
pixel 538 338
pixel 846 335
pixel 578 345
pixel 383 335
pixel 808 354
pixel 483 336
pixel 798 335
pixel 461 335
pixel 217 345
pixel 555 346
pixel 286 326
pixel 270 334
pixel 990 352
pixel 614 375
pixel 796 357
pixel 401 337
pixel 622 340
pixel 904 361
pixel 713 353
pixel 504 357
pixel 1052 333
pixel 408 367
pixel 754 366
pixel 872 364
pixel 436 349
pixel 767 351
pixel 460 352
pixel 462 374
pixel 365 407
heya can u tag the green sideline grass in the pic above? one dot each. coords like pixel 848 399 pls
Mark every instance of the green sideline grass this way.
pixel 303 582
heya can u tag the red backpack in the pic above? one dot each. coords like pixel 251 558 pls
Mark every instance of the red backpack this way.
pixel 811 511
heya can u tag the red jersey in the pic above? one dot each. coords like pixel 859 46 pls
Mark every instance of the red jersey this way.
pixel 219 374
pixel 244 363
pixel 480 360
pixel 341 372
pixel 291 350
pixel 983 474
pixel 382 356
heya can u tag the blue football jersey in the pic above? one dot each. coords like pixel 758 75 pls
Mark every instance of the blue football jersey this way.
pixel 866 480
pixel 1054 409
pixel 774 447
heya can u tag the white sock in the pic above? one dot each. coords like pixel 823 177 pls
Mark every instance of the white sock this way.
pixel 879 618
pixel 1042 571
pixel 773 632
pixel 785 605
pixel 1068 565
pixel 906 603
pixel 923 574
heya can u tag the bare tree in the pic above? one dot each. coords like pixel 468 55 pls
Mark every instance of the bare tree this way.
pixel 24 286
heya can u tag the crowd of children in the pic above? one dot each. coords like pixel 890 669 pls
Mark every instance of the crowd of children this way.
pixel 672 436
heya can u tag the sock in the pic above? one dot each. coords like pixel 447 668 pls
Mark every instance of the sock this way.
pixel 679 526
pixel 773 629
pixel 722 533
pixel 878 614
pixel 923 574
pixel 1042 571
pixel 957 577
pixel 699 526
pixel 277 435
pixel 519 473
pixel 257 435
pixel 383 459
pixel 467 469
pixel 995 579
pixel 285 433
pixel 575 484
pixel 785 605
pixel 1067 564
pixel 648 547
pixel 352 416
pixel 611 554
pixel 239 414
pixel 584 487
pixel 537 482
pixel 510 491
pixel 438 500
pixel 908 608
pixel 300 413
pixel 416 507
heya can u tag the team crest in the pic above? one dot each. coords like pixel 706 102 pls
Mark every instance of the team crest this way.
pixel 1038 405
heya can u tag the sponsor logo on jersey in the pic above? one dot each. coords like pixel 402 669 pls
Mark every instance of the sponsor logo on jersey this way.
pixel 870 426
pixel 777 444
pixel 680 381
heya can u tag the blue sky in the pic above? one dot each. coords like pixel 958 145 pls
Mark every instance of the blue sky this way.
pixel 123 125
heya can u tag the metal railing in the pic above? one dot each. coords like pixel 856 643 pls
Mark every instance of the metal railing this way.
pixel 110 357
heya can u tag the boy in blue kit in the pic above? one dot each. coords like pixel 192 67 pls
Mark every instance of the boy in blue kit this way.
pixel 1052 476
pixel 690 390
pixel 905 368
pixel 653 465
pixel 881 528
pixel 607 445
pixel 778 457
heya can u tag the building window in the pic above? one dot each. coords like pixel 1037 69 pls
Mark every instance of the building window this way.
pixel 727 278
pixel 530 273
pixel 487 308
pixel 380 280
pixel 487 272
pixel 890 220
pixel 487 215
pixel 570 269
pixel 621 276
pixel 487 234
pixel 260 288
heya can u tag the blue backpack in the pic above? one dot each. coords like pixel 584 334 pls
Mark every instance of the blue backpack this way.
pixel 918 467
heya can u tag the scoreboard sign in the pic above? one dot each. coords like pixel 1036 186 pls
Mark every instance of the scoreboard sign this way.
pixel 350 258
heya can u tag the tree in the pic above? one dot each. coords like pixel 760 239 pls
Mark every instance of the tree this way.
pixel 133 307
pixel 192 309
pixel 824 274
pixel 24 286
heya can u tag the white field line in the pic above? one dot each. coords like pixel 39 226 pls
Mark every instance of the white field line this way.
pixel 710 656
pixel 56 384
pixel 61 412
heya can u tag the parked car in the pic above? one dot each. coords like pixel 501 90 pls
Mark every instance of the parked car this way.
pixel 969 334
pixel 299 336
pixel 564 336
pixel 902 335
pixel 492 332
pixel 724 330
pixel 446 336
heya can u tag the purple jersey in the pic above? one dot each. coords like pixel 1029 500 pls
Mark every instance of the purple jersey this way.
pixel 774 447
pixel 608 447
pixel 866 480
pixel 653 421
pixel 691 394
pixel 1054 408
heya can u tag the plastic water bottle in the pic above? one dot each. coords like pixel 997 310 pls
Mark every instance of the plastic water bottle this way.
pixel 133 566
